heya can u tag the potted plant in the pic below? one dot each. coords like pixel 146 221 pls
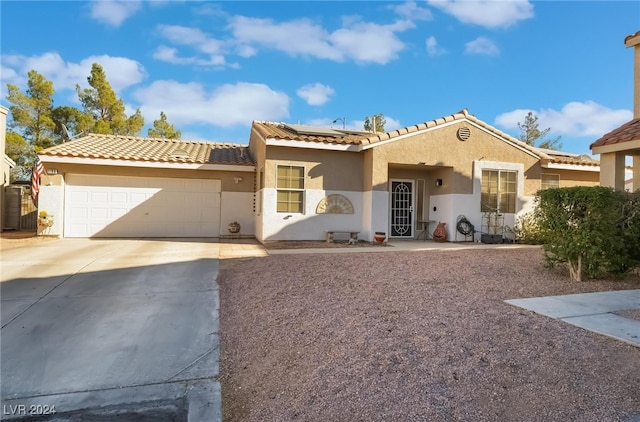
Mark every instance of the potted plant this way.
pixel 380 237
pixel 45 219
pixel 234 227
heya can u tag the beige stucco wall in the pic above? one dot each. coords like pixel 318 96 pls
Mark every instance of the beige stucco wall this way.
pixel 441 148
pixel 226 177
pixel 324 169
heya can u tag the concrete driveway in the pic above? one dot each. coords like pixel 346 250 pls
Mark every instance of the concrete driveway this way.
pixel 101 328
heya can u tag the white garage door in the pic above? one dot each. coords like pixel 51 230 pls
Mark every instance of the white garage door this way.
pixel 117 206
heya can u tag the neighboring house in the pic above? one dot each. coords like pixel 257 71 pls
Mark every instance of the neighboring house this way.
pixel 310 180
pixel 7 163
pixel 615 146
pixel 297 182
pixel 120 186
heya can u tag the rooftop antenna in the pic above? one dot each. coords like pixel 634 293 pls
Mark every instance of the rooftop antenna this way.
pixel 65 134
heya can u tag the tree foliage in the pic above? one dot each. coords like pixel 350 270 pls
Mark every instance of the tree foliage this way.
pixel 594 230
pixel 19 150
pixel 31 111
pixel 72 118
pixel 106 110
pixel 379 121
pixel 530 133
pixel 31 124
pixel 163 129
pixel 34 124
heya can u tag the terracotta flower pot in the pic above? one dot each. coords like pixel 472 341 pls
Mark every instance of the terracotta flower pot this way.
pixel 440 233
pixel 379 237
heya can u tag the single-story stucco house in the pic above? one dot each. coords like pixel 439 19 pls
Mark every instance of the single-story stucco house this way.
pixel 295 182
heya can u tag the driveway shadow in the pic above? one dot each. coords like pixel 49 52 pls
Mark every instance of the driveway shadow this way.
pixel 72 340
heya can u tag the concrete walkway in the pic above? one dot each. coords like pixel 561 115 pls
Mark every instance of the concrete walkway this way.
pixel 591 311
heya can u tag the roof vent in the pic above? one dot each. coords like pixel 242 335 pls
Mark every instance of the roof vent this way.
pixel 179 153
pixel 464 133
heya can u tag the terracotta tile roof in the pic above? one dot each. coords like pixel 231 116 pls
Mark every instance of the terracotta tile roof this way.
pixel 461 115
pixel 271 130
pixel 133 148
pixel 628 38
pixel 282 131
pixel 580 160
pixel 629 131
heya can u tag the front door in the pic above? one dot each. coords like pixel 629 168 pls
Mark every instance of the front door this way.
pixel 401 208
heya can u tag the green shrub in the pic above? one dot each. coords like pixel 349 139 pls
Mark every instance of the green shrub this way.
pixel 595 230
pixel 527 230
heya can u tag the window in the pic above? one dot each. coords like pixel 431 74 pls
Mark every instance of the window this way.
pixel 549 181
pixel 290 187
pixel 499 191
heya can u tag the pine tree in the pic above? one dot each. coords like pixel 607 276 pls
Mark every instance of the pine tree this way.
pixel 106 110
pixel 163 129
pixel 530 133
pixel 31 126
pixel 379 120
pixel 31 111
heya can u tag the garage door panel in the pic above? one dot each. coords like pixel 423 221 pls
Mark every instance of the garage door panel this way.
pixel 116 206
pixel 118 197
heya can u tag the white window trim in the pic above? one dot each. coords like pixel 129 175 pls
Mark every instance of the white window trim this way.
pixel 480 165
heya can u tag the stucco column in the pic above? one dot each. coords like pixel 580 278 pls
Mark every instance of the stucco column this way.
pixel 612 170
pixel 636 78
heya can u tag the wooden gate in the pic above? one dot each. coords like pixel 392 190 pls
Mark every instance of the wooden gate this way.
pixel 21 212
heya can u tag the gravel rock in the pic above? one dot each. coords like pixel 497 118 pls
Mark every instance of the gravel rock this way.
pixel 414 336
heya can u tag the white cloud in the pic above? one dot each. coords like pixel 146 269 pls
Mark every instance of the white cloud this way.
pixel 432 47
pixel 588 119
pixel 190 36
pixel 358 41
pixel 226 106
pixel 481 45
pixel 212 48
pixel 315 94
pixel 370 42
pixel 309 38
pixel 114 12
pixel 487 13
pixel 121 72
pixel 411 10
pixel 170 55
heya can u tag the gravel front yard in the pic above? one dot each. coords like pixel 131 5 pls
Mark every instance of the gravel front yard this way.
pixel 414 336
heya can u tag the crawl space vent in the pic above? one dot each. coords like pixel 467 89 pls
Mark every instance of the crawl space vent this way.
pixel 464 133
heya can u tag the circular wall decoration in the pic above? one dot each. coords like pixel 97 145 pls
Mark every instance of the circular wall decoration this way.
pixel 464 133
pixel 334 204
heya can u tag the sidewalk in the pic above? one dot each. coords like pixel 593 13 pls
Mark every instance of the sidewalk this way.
pixel 598 312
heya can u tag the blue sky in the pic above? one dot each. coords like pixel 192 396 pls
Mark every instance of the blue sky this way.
pixel 213 67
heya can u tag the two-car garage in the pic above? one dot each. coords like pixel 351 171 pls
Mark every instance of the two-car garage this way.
pixel 122 206
pixel 126 186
